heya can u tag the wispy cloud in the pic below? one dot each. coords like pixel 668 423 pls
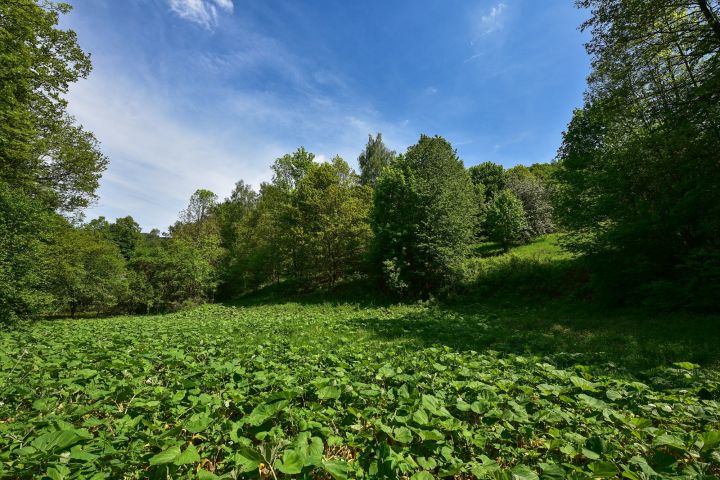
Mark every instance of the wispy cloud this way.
pixel 492 20
pixel 202 12
pixel 157 159
pixel 484 23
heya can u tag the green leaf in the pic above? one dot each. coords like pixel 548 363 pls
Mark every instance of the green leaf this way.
pixel 264 412
pixel 58 472
pixel 328 392
pixel 589 454
pixel 198 423
pixel 686 365
pixel 292 462
pixel 247 457
pixel 613 395
pixel 426 435
pixel 552 470
pixel 206 475
pixel 59 440
pixel 667 440
pixel 189 455
pixel 523 472
pixel 592 402
pixel 309 448
pixel 166 456
pixel 423 475
pixel 337 469
pixel 583 384
pixel 603 469
pixel 433 405
pixel 402 435
pixel 420 417
pixel 710 439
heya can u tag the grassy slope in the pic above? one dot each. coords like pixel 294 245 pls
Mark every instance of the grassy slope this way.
pixel 465 389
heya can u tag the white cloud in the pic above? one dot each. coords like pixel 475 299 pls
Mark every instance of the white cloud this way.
pixel 202 12
pixel 158 159
pixel 492 21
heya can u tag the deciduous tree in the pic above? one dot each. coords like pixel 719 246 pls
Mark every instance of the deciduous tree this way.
pixel 424 216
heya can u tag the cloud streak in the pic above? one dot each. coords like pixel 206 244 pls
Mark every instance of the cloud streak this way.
pixel 492 21
pixel 159 158
pixel 202 12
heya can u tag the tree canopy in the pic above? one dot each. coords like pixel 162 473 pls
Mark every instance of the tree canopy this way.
pixel 373 159
pixel 424 217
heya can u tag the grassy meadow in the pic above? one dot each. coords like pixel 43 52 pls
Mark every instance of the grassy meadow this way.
pixel 357 387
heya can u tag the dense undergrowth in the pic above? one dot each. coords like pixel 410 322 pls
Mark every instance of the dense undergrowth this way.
pixel 316 389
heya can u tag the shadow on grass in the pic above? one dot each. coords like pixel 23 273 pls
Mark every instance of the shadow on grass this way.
pixel 568 332
pixel 528 306
pixel 360 292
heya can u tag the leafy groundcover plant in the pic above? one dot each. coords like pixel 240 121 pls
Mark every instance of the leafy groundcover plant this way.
pixel 323 391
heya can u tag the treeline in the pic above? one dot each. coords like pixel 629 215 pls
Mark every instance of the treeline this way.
pixel 635 188
pixel 405 221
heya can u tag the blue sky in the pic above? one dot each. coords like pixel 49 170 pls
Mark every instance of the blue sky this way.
pixel 189 94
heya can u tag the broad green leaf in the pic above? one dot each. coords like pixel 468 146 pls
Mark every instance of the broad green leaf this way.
pixel 710 439
pixel 402 435
pixel 59 440
pixel 328 392
pixel 603 469
pixel 336 468
pixel 589 454
pixel 552 470
pixel 198 423
pixel 309 448
pixel 423 475
pixel 523 472
pixel 189 455
pixel 292 462
pixel 58 472
pixel 686 365
pixel 203 474
pixel 592 402
pixel 166 456
pixel 264 412
pixel 420 417
pixel 583 384
pixel 669 441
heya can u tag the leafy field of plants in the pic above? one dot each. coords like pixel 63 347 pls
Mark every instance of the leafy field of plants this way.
pixel 353 391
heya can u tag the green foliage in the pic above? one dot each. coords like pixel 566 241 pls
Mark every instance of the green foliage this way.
pixel 506 221
pixel 42 151
pixel 309 226
pixel 289 169
pixel 332 229
pixel 638 165
pixel 24 228
pixel 47 162
pixel 374 159
pixel 125 233
pixel 184 269
pixel 415 391
pixel 492 178
pixel 86 272
pixel 535 198
pixel 424 216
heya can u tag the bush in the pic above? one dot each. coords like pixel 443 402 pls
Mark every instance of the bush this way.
pixel 506 221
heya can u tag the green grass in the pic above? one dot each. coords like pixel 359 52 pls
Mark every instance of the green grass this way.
pixel 546 246
pixel 510 378
pixel 316 389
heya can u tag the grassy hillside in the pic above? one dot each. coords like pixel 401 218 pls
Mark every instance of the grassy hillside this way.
pixel 317 390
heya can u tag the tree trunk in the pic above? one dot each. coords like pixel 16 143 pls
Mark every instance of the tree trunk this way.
pixel 710 17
